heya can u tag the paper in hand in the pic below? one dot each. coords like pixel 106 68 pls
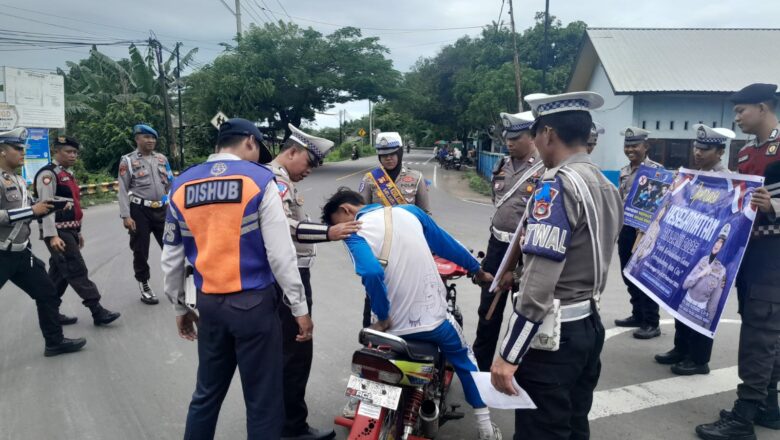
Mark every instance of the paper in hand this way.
pixel 498 400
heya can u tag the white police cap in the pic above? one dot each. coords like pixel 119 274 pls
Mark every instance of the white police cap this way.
pixel 708 137
pixel 634 135
pixel 16 136
pixel 318 146
pixel 387 142
pixel 595 130
pixel 515 124
pixel 544 104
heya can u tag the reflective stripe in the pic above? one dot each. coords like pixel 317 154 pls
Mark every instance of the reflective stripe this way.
pixel 249 228
pixel 250 218
pixel 527 175
pixel 185 233
pixel 576 311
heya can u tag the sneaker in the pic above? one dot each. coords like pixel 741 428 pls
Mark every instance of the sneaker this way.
pixel 350 408
pixel 147 294
pixel 495 434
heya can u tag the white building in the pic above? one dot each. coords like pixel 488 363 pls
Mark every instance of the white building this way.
pixel 666 80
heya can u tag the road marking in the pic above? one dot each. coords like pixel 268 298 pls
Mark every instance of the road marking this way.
pixel 434 178
pixel 476 202
pixel 429 159
pixel 646 395
pixel 609 333
pixel 356 172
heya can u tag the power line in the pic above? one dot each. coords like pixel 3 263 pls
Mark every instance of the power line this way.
pixel 252 13
pixel 270 20
pixel 269 10
pixel 283 9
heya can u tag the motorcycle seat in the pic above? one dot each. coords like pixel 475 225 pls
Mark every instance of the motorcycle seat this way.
pixel 417 351
pixel 422 351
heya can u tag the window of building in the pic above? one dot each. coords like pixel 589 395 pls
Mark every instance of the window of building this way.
pixel 685 127
pixel 733 125
pixel 671 125
pixel 657 125
pixel 672 153
pixel 714 124
pixel 644 125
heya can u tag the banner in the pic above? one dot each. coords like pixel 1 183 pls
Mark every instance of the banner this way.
pixel 688 259
pixel 37 154
pixel 650 187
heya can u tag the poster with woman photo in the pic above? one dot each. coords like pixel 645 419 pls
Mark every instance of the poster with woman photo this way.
pixel 646 196
pixel 688 260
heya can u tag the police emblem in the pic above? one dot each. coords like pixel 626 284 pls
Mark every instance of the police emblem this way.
pixel 771 150
pixel 543 201
pixel 218 169
pixel 383 142
pixel 46 180
pixel 701 133
pixel 61 140
pixel 629 133
pixel 283 189
pixel 506 122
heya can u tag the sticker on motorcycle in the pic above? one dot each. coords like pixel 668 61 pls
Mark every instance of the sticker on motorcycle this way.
pixel 375 393
pixel 369 410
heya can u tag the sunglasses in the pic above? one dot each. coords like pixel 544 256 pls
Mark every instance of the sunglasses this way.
pixel 313 161
pixel 19 148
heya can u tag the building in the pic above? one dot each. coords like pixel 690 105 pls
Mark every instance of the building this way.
pixel 666 80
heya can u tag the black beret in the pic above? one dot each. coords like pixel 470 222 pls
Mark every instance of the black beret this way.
pixel 754 94
pixel 66 141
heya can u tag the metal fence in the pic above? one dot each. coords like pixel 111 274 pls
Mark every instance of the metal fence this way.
pixel 486 163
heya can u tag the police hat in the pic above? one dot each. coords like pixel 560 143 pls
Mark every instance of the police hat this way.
pixel 754 94
pixel 318 146
pixel 724 231
pixel 144 129
pixel 595 130
pixel 387 143
pixel 708 138
pixel 14 137
pixel 634 135
pixel 515 124
pixel 243 127
pixel 543 104
pixel 66 141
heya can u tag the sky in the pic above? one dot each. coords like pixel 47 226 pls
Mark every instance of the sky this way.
pixel 410 29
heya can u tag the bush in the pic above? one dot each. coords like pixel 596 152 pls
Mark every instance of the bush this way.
pixel 477 183
pixel 344 152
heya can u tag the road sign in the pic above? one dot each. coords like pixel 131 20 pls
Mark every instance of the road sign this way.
pixel 218 119
pixel 361 132
pixel 8 117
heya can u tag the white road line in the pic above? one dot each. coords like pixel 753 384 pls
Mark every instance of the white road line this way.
pixel 477 203
pixel 609 333
pixel 429 159
pixel 434 178
pixel 646 395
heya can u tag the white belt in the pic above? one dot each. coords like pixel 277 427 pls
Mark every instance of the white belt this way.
pixel 13 247
pixel 305 262
pixel 147 203
pixel 575 312
pixel 502 236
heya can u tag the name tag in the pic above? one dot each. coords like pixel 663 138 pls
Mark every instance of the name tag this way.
pixel 213 191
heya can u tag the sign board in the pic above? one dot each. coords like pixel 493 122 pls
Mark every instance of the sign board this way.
pixel 37 155
pixel 8 117
pixel 218 119
pixel 39 98
pixel 361 132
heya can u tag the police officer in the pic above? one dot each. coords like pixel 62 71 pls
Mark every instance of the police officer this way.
pixel 595 130
pixel 300 154
pixel 692 350
pixel 17 262
pixel 644 311
pixel 570 229
pixel 404 185
pixel 230 207
pixel 144 181
pixel 758 280
pixel 62 232
pixel 513 182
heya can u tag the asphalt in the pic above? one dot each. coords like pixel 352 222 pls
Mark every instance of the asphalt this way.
pixel 135 377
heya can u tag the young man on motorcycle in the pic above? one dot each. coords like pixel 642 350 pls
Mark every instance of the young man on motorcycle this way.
pixel 407 295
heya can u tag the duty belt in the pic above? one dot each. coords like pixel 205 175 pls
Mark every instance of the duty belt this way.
pixel 147 203
pixel 13 247
pixel 305 262
pixel 576 311
pixel 502 236
pixel 75 224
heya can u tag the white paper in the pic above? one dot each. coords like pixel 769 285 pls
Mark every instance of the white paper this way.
pixel 502 267
pixel 498 400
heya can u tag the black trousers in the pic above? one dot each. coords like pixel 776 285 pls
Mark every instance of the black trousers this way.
pixel 692 344
pixel 644 309
pixel 488 331
pixel 29 274
pixel 561 383
pixel 240 329
pixel 297 366
pixel 147 221
pixel 69 268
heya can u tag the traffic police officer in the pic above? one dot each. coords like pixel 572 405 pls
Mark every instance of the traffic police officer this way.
pixel 62 232
pixel 514 179
pixel 692 350
pixel 644 311
pixel 226 219
pixel 393 183
pixel 144 181
pixel 758 280
pixel 595 130
pixel 570 229
pixel 300 154
pixel 17 262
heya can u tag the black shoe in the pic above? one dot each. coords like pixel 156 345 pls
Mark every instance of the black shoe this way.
pixel 727 428
pixel 67 320
pixel 689 368
pixel 671 357
pixel 103 316
pixel 312 434
pixel 65 346
pixel 647 332
pixel 631 321
pixel 767 419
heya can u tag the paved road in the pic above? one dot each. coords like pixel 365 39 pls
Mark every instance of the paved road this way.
pixel 134 379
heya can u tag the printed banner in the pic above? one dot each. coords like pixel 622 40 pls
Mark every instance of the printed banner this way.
pixel 37 154
pixel 688 259
pixel 650 187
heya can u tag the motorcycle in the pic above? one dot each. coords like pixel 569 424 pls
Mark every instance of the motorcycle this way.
pixel 449 271
pixel 450 162
pixel 355 153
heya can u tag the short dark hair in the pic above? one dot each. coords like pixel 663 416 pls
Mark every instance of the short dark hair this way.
pixel 230 140
pixel 573 127
pixel 289 143
pixel 341 196
pixel 772 104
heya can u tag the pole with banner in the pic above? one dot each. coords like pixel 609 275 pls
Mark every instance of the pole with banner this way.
pixel 37 154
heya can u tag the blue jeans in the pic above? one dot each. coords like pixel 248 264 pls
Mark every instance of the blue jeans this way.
pixel 449 338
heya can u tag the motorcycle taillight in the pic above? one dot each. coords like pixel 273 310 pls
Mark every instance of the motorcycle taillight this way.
pixel 373 365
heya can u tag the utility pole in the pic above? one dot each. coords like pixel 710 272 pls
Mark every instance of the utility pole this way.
pixel 370 125
pixel 518 87
pixel 166 105
pixel 340 140
pixel 238 19
pixel 181 118
pixel 545 46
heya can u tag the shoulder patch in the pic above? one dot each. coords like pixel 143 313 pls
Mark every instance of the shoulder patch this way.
pixel 283 189
pixel 213 191
pixel 46 180
pixel 771 150
pixel 548 232
pixel 122 168
pixel 362 185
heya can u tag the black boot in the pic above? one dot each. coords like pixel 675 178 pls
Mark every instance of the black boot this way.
pixel 736 425
pixel 671 357
pixel 647 332
pixel 768 415
pixel 631 321
pixel 101 316
pixel 67 320
pixel 66 345
pixel 689 368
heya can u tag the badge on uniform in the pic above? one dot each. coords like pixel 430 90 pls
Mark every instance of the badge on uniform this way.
pixel 122 169
pixel 46 180
pixel 362 186
pixel 771 150
pixel 773 134
pixel 213 191
pixel 218 169
pixel 408 179
pixel 283 189
pixel 548 231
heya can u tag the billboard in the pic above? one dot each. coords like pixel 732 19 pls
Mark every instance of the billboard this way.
pixel 37 98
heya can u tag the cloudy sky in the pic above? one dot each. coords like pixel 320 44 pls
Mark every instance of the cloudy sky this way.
pixel 409 28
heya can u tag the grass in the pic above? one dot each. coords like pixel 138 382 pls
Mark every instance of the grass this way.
pixel 477 183
pixel 344 152
pixel 99 198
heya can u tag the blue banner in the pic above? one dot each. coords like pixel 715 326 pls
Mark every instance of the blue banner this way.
pixel 688 259
pixel 650 187
pixel 37 154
